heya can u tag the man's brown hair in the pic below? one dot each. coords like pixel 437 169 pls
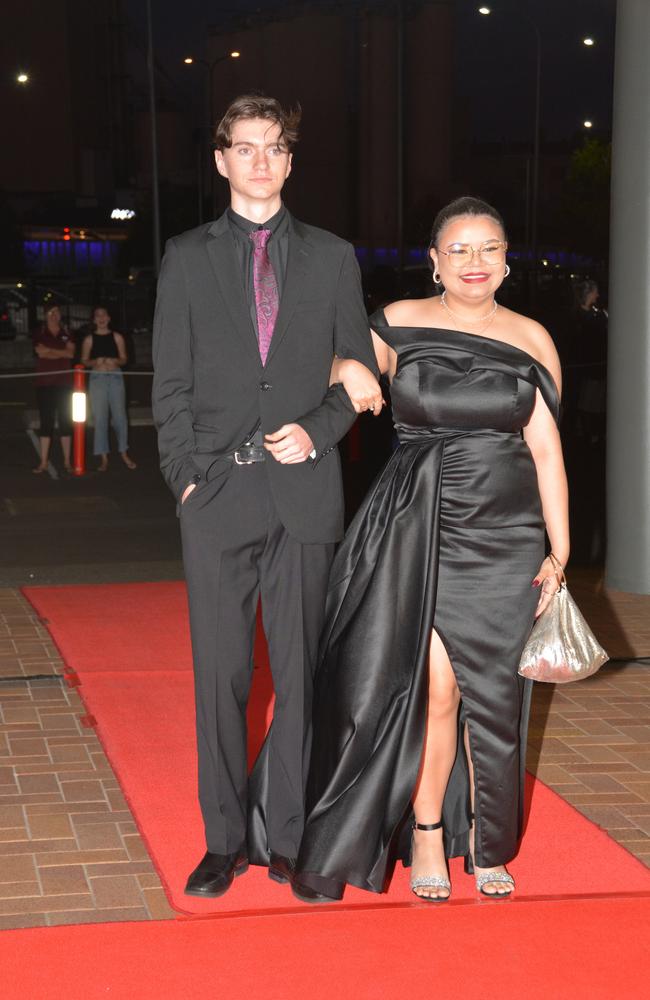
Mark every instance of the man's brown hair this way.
pixel 259 106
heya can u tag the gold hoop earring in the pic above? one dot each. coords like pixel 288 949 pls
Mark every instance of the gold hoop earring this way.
pixel 436 278
pixel 507 271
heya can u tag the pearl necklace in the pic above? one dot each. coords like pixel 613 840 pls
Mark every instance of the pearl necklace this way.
pixel 486 316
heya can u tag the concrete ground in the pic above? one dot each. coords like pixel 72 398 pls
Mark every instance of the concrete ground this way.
pixel 115 526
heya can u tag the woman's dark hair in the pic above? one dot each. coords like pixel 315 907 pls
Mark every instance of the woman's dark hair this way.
pixel 259 106
pixel 467 205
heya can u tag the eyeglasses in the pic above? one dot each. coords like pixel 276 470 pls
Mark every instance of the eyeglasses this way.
pixel 491 252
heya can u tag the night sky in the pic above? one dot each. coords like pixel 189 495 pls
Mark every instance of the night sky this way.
pixel 493 59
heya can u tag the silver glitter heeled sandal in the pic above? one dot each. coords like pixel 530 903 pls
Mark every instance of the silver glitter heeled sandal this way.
pixel 429 881
pixel 486 877
pixel 489 876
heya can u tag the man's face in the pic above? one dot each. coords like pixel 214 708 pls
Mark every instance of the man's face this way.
pixel 257 164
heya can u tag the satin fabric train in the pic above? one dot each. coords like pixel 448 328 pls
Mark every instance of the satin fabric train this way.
pixel 449 538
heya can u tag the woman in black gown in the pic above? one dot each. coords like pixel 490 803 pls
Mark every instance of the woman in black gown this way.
pixel 420 716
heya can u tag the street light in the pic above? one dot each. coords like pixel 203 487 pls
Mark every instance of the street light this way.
pixel 588 42
pixel 22 78
pixel 190 60
pixel 153 118
pixel 588 124
pixel 210 66
pixel 534 198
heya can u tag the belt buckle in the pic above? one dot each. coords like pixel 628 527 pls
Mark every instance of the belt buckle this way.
pixel 251 460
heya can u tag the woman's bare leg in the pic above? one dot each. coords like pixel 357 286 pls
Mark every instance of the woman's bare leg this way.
pixel 490 888
pixel 65 448
pixel 45 454
pixel 437 761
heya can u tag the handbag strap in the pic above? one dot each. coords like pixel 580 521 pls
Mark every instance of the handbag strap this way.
pixel 560 575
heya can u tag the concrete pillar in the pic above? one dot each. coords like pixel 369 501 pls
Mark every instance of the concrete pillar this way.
pixel 628 404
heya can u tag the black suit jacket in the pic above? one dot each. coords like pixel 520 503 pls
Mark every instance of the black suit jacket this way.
pixel 210 387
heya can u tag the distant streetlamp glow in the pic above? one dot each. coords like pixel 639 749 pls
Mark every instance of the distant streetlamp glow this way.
pixel 210 67
pixel 190 60
pixel 588 124
pixel 532 213
pixel 22 78
pixel 588 42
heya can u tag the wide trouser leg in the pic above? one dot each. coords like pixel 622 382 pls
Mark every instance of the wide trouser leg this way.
pixel 46 396
pixel 233 545
pixel 223 527
pixel 64 410
pixel 294 580
pixel 98 390
pixel 117 403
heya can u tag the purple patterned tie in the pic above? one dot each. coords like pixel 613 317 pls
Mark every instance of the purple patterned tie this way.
pixel 266 291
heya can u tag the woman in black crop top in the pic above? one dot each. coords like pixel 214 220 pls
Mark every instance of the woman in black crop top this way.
pixel 104 351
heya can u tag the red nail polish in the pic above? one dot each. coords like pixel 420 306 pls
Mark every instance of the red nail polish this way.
pixel 535 583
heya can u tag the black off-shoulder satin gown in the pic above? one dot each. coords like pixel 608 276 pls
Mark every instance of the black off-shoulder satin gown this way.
pixel 449 538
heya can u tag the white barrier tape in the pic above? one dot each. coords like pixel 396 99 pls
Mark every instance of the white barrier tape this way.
pixel 66 371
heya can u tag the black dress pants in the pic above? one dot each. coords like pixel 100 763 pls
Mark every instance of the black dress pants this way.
pixel 235 549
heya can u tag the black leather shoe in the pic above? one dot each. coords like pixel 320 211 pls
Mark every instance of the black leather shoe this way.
pixel 307 895
pixel 215 873
pixel 283 870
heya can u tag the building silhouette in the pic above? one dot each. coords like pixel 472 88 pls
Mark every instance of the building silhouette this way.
pixel 341 63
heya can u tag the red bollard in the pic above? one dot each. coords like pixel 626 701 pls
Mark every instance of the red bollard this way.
pixel 79 420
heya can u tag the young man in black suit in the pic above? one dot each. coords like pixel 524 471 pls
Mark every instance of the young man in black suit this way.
pixel 251 310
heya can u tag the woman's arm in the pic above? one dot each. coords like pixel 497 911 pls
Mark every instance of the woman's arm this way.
pixel 53 353
pixel 85 351
pixel 360 385
pixel 543 439
pixel 121 350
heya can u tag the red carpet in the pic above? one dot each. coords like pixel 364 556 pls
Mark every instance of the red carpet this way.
pixel 135 668
pixel 571 950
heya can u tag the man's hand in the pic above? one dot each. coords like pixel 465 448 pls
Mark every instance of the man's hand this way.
pixel 187 491
pixel 289 445
pixel 360 384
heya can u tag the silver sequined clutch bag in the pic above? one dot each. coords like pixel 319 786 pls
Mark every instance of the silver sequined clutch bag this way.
pixel 561 646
